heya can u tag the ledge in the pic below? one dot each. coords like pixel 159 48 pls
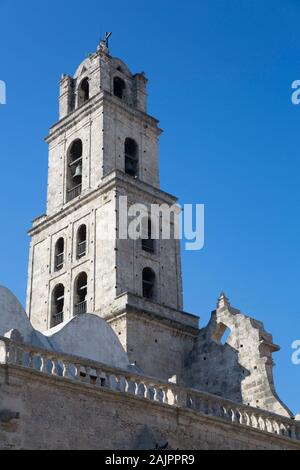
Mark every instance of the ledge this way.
pixel 108 182
pixel 130 303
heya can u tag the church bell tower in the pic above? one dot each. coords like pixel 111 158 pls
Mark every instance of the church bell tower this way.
pixel 104 146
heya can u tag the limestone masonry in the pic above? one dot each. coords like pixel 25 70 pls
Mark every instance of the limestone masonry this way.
pixel 105 357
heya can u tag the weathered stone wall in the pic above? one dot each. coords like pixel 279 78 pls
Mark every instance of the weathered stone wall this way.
pixel 98 263
pixel 165 261
pixel 39 412
pixel 157 349
pixel 113 266
pixel 241 369
pixel 86 124
pixel 121 122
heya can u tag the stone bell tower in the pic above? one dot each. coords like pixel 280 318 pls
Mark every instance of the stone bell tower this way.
pixel 104 146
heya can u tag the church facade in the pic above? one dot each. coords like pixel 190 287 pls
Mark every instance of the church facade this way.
pixel 105 337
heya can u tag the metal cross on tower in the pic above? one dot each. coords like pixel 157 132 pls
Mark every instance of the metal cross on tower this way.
pixel 106 40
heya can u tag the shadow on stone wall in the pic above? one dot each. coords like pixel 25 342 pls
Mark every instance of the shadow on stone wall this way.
pixel 240 370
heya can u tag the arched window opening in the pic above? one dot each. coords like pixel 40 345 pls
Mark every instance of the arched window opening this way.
pixel 81 241
pixel 221 334
pixel 59 254
pixel 119 87
pixel 83 91
pixel 80 294
pixel 148 243
pixel 148 283
pixel 74 170
pixel 131 157
pixel 58 301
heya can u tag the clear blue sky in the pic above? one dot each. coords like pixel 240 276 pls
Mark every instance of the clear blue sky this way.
pixel 220 76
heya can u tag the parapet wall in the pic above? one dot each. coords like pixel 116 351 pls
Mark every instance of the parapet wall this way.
pixel 53 401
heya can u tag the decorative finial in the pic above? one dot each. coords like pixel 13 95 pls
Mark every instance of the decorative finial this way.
pixel 223 301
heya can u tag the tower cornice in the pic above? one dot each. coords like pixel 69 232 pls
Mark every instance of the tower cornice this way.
pixel 114 180
pixel 93 105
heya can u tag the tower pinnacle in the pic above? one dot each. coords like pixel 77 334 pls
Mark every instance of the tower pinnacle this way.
pixel 223 301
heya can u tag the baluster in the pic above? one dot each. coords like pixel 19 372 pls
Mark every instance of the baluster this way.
pixel 66 366
pixel 204 406
pixel 43 367
pixel 196 403
pixel 156 393
pixel 293 431
pixel 165 395
pixel 222 411
pixel 262 423
pixel 275 427
pixel 254 421
pixel 240 416
pixel 3 352
pixel 201 405
pixel 77 371
pixel 283 430
pixel 54 369
pixel 216 409
pixel 93 377
pixel 11 353
pixel 38 362
pixel 121 383
pixel 219 410
pixel 181 398
pixel 247 419
pixel 18 355
pixel 30 359
pixel 42 363
pixel 87 378
pixel 170 396
pixel 268 426
pixel 134 387
pixel 233 416
pixel 101 378
pixel 148 391
pixel 131 386
pixel 211 408
pixel 127 385
pixel 226 413
pixel 141 390
pixel 112 382
pixel 288 430
pixel 7 353
pixel 190 402
pixel 297 429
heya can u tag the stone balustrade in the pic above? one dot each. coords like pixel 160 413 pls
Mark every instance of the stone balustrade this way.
pixel 68 367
